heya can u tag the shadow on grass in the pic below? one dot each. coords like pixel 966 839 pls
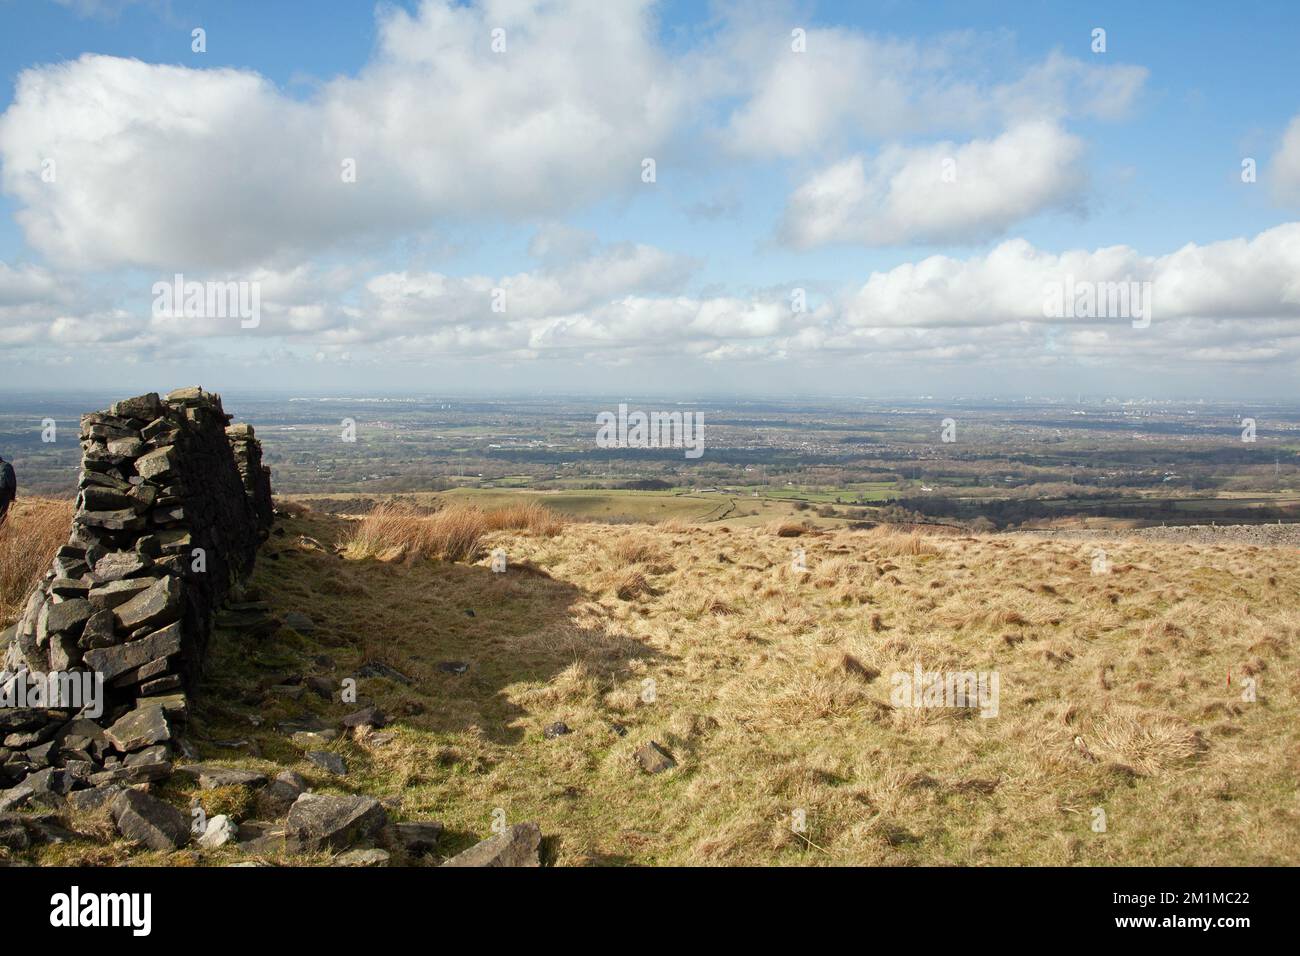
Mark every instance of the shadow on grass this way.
pixel 453 639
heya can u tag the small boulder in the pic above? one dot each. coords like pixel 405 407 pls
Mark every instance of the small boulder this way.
pixel 362 858
pixel 314 739
pixel 158 753
pixel 517 846
pixel 300 622
pixel 145 407
pixel 328 761
pixel 220 831
pixel 123 775
pixel 88 801
pixel 67 616
pixel 147 820
pixel 380 669
pixel 275 799
pixel 118 660
pixel 316 821
pixel 109 596
pixel 99 631
pixel 142 727
pixel 99 498
pixel 654 759
pixel 52 780
pixel 119 565
pixel 211 776
pixel 157 466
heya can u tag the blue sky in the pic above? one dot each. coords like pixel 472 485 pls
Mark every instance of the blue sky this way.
pixel 776 170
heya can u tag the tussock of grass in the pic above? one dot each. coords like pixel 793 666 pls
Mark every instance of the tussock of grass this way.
pixel 630 584
pixel 893 544
pixel 635 549
pixel 32 531
pixel 789 529
pixel 526 516
pixel 398 531
pixel 1146 742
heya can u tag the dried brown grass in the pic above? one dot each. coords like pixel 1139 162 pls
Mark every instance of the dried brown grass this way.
pixel 529 516
pixel 773 690
pixel 396 531
pixel 895 544
pixel 635 549
pixel 33 530
pixel 393 530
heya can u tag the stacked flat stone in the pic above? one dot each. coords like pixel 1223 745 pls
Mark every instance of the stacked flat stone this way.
pixel 172 507
pixel 255 476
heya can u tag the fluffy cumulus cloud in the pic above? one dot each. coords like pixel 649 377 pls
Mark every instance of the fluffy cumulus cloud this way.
pixel 1223 303
pixel 32 299
pixel 1236 301
pixel 1247 279
pixel 399 302
pixel 940 193
pixel 1230 302
pixel 174 167
pixel 177 167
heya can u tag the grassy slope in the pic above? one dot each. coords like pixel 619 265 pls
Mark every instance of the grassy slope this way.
pixel 577 504
pixel 753 697
pixel 620 507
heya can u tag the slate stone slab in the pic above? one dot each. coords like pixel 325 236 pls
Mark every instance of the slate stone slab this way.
pixel 517 846
pixel 319 821
pixel 67 616
pixel 156 606
pixel 112 661
pixel 147 820
pixel 143 727
pixel 211 776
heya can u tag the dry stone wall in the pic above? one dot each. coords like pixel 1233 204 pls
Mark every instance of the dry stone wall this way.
pixel 173 504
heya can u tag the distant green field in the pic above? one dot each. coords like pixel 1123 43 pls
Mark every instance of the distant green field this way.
pixel 864 491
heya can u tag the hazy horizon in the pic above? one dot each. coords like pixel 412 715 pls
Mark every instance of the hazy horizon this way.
pixel 321 393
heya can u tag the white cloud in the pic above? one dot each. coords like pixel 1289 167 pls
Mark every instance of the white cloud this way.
pixel 185 168
pixel 848 84
pixel 405 302
pixel 27 284
pixel 940 193
pixel 1256 278
pixel 1063 86
pixel 220 174
pixel 1234 302
pixel 173 167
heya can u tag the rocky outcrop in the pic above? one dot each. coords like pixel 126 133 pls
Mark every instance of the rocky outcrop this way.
pixel 173 503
